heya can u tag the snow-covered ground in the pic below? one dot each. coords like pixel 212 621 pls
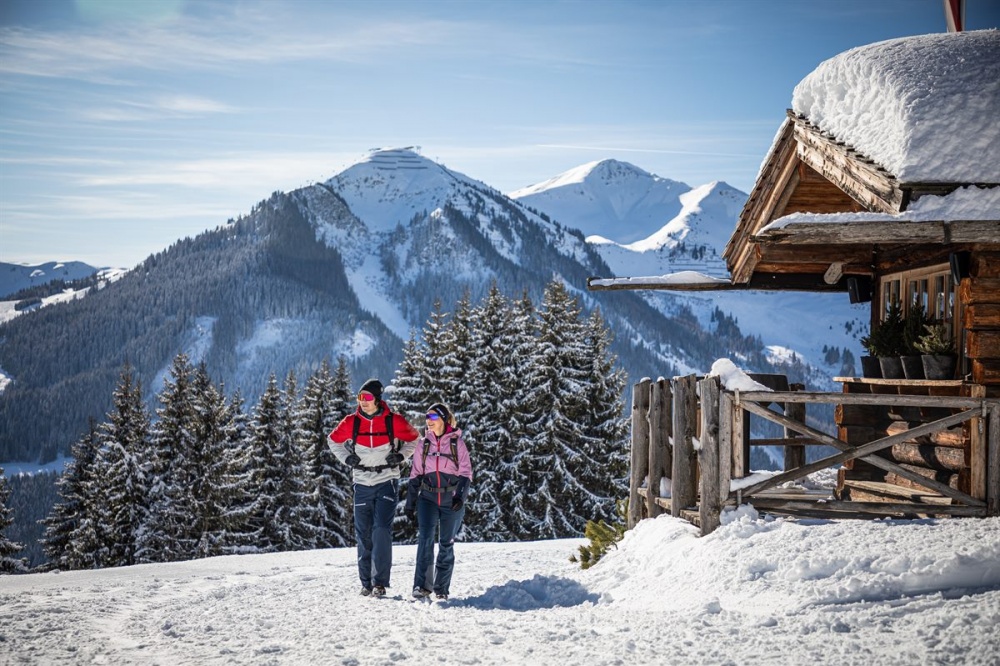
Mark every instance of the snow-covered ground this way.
pixel 754 592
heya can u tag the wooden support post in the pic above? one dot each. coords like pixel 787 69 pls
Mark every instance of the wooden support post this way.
pixel 684 492
pixel 993 457
pixel 977 449
pixel 795 456
pixel 655 451
pixel 640 450
pixel 726 412
pixel 741 442
pixel 709 506
pixel 660 428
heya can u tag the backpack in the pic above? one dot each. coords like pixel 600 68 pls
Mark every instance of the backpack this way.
pixel 454 450
pixel 388 429
pixel 392 440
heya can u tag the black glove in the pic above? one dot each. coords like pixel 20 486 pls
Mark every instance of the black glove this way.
pixel 394 458
pixel 411 511
pixel 352 460
pixel 457 502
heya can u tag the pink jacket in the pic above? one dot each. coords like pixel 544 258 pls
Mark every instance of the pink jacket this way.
pixel 433 471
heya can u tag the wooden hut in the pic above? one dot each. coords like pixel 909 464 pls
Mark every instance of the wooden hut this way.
pixel 898 203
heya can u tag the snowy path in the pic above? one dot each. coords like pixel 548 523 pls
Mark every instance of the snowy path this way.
pixel 755 592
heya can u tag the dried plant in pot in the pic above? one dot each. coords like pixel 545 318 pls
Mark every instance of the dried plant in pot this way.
pixel 938 352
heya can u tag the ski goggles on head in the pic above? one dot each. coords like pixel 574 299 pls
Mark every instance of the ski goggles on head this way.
pixel 365 396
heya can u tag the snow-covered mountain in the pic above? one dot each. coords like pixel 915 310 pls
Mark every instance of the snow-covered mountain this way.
pixel 348 266
pixel 614 200
pixel 681 228
pixel 17 277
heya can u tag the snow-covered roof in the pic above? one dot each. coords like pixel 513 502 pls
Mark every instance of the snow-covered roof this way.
pixel 924 108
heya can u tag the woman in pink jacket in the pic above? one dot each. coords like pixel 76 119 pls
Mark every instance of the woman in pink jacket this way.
pixel 439 483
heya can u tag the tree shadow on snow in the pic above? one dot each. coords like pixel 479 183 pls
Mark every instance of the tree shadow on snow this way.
pixel 526 595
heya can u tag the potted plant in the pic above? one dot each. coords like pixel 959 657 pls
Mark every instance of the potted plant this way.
pixel 938 349
pixel 869 363
pixel 913 329
pixel 887 342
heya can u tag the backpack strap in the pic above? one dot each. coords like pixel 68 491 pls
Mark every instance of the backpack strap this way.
pixel 453 446
pixel 393 444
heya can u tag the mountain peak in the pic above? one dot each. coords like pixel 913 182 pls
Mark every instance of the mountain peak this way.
pixel 390 185
pixel 613 199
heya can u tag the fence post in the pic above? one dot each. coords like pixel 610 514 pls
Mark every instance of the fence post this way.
pixel 640 450
pixel 993 455
pixel 795 456
pixel 741 441
pixel 726 410
pixel 709 506
pixel 659 442
pixel 684 469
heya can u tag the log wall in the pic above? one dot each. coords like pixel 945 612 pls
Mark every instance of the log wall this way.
pixel 979 294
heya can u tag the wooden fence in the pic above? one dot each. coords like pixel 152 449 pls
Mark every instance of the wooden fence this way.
pixel 696 435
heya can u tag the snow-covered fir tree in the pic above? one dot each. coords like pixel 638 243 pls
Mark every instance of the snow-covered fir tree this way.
pixel 171 532
pixel 70 540
pixel 407 393
pixel 492 390
pixel 563 465
pixel 277 475
pixel 454 365
pixel 327 486
pixel 8 563
pixel 216 490
pixel 123 446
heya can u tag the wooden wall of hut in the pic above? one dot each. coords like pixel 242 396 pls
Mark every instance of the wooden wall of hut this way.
pixel 956 457
pixel 980 294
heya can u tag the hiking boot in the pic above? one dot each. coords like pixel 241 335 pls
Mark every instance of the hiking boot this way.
pixel 366 591
pixel 378 591
pixel 443 596
pixel 421 593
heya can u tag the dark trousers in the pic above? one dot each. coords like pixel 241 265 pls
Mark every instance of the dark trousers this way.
pixel 432 521
pixel 374 507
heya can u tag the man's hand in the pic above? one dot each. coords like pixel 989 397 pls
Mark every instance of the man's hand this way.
pixel 394 458
pixel 352 460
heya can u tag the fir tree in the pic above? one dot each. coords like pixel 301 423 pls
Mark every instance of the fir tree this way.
pixel 124 443
pixel 327 495
pixel 170 533
pixel 523 509
pixel 70 540
pixel 217 493
pixel 409 397
pixel 560 449
pixel 277 475
pixel 8 563
pixel 493 392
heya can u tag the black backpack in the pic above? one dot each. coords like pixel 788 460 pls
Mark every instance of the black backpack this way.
pixel 454 450
pixel 392 440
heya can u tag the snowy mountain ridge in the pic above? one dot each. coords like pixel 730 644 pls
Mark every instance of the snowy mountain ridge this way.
pixel 612 199
pixel 686 228
pixel 355 264
pixel 16 277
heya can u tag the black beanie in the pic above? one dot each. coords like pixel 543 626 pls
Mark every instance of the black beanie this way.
pixel 441 410
pixel 374 387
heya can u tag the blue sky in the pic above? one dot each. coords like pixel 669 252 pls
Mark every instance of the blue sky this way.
pixel 128 124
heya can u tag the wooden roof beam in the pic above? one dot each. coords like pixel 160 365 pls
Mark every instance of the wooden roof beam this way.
pixel 865 182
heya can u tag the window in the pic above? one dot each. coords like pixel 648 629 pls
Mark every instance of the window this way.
pixel 931 287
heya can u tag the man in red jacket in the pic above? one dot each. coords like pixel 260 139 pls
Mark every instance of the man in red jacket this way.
pixel 374 442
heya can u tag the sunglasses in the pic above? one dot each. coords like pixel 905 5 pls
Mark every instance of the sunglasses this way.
pixel 366 397
pixel 433 416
